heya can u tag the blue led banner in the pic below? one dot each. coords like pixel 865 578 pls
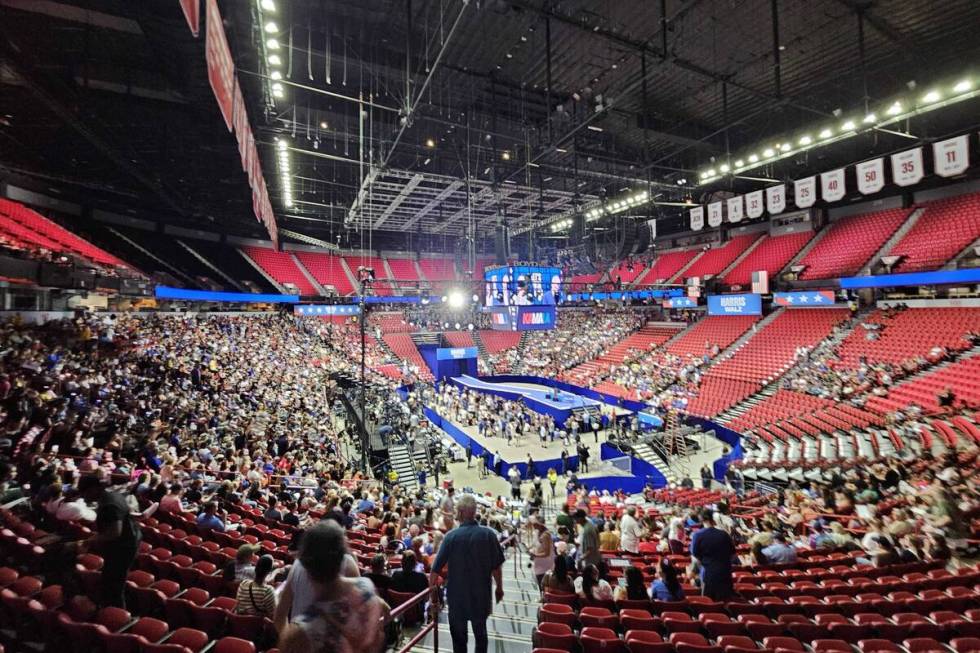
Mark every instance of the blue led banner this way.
pixel 455 353
pixel 167 292
pixel 522 318
pixel 680 302
pixel 966 275
pixel 327 309
pixel 747 304
pixel 804 299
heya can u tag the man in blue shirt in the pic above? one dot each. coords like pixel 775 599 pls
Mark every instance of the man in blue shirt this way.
pixel 474 556
pixel 779 551
pixel 713 548
pixel 209 520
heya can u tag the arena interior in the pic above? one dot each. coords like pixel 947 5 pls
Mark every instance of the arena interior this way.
pixel 588 326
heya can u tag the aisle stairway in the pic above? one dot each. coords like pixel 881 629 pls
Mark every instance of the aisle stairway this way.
pixel 401 461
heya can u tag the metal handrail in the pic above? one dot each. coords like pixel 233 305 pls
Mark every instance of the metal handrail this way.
pixel 435 606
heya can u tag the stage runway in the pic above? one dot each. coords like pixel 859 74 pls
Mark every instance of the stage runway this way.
pixel 607 409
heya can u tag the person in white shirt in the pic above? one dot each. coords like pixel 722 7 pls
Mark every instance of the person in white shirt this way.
pixel 630 532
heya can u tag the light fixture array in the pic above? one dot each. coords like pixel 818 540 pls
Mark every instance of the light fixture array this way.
pixel 561 225
pixel 267 11
pixel 282 156
pixel 889 113
pixel 618 206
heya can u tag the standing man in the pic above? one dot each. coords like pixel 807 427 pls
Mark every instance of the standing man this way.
pixel 514 475
pixel 706 476
pixel 473 552
pixel 117 538
pixel 630 532
pixel 469 454
pixel 447 507
pixel 713 548
pixel 588 542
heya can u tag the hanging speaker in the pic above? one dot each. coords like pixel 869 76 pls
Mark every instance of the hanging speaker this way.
pixel 501 244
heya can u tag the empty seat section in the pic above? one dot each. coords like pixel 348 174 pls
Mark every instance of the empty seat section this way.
pixel 281 267
pixel 377 264
pixel 771 255
pixel 459 339
pixel 908 334
pixel 944 230
pixel 440 272
pixel 627 271
pixel 327 269
pixel 497 341
pixel 403 269
pixel 404 347
pixel 647 338
pixel 961 377
pixel 850 243
pixel 765 356
pixel 720 257
pixel 713 330
pixel 667 265
pixel 392 322
pixel 28 225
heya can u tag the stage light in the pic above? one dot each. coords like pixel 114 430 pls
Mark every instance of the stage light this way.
pixel 457 326
pixel 711 172
pixel 271 27
pixel 805 140
pixel 753 158
pixel 272 44
pixel 274 60
pixel 278 92
pixel 931 96
pixel 469 326
pixel 444 298
pixel 848 126
pixel 768 152
pixel 894 109
pixel 277 87
pixel 681 182
pixel 963 86
pixel 724 168
pixel 505 155
pixel 445 325
pixel 324 125
pixel 870 118
pixel 826 133
pixel 739 163
pixel 476 298
pixel 430 143
pixel 269 5
pixel 281 144
pixel 785 147
pixel 276 75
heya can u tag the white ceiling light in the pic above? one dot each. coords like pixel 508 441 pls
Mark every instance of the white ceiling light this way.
pixel 281 144
pixel 870 118
pixel 278 92
pixel 753 158
pixel 271 27
pixel 739 163
pixel 272 44
pixel 931 96
pixel 274 60
pixel 276 75
pixel 806 140
pixel 847 126
pixel 724 168
pixel 963 86
pixel 269 5
pixel 826 133
pixel 595 128
pixel 785 147
pixel 711 172
pixel 894 109
pixel 768 152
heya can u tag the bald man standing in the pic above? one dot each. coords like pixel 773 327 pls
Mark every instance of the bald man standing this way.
pixel 474 552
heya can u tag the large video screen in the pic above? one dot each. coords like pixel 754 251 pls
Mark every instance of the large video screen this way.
pixel 523 285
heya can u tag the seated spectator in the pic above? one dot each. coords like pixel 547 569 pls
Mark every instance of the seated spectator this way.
pixel 609 538
pixel 408 579
pixel 272 513
pixel 590 585
pixel 379 572
pixel 780 552
pixel 557 580
pixel 241 567
pixel 254 596
pixel 667 587
pixel 171 502
pixel 209 520
pixel 634 589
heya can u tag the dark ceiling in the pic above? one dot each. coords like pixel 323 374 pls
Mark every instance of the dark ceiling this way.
pixel 109 100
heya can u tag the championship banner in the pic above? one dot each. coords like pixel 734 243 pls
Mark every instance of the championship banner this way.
pixel 951 157
pixel 221 70
pixel 714 214
pixel 907 168
pixel 776 198
pixel 735 210
pixel 697 218
pixel 804 299
pixel 753 204
pixel 805 191
pixel 870 176
pixel 652 226
pixel 832 185
pixel 192 12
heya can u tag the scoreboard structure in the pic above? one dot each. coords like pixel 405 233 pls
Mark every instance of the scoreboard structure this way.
pixel 522 318
pixel 523 285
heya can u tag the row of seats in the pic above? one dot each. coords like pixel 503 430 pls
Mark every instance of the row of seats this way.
pixel 644 340
pixel 720 257
pixel 281 267
pixel 712 330
pixel 495 342
pixel 789 414
pixel 328 270
pixel 909 333
pixel 960 377
pixel 667 265
pixel 944 230
pixel 404 347
pixel 771 256
pixel 850 243
pixel 29 227
pixel 768 353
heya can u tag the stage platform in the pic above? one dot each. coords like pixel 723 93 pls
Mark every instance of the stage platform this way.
pixel 558 403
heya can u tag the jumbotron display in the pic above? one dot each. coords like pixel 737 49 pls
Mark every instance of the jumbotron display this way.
pixel 523 285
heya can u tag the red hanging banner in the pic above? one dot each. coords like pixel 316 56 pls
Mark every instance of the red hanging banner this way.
pixel 192 12
pixel 221 70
